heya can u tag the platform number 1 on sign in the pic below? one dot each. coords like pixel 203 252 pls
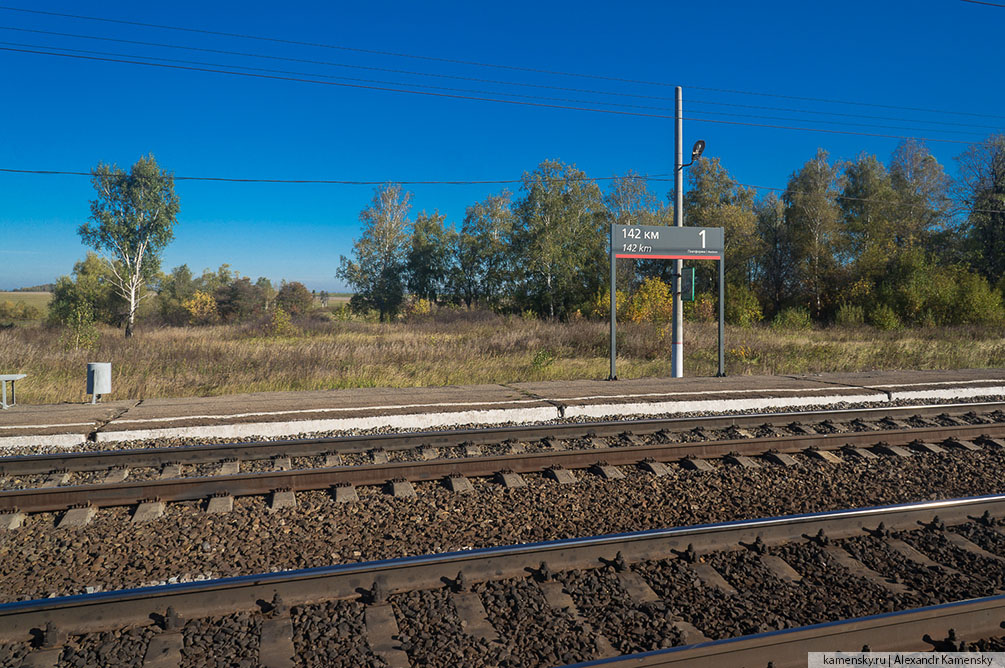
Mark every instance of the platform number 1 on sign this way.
pixel 652 242
pixel 668 243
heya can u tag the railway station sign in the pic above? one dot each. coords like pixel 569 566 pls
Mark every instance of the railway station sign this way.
pixel 663 242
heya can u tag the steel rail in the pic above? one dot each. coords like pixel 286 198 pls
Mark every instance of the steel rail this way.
pixel 101 460
pixel 909 630
pixel 111 610
pixel 250 484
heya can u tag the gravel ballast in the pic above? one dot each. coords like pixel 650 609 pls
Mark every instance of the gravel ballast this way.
pixel 603 615
pixel 187 543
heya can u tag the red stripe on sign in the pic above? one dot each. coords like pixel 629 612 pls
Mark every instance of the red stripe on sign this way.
pixel 670 257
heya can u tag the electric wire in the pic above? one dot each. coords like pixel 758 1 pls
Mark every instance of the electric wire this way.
pixel 658 178
pixel 983 2
pixel 478 63
pixel 454 182
pixel 475 91
pixel 479 98
pixel 438 75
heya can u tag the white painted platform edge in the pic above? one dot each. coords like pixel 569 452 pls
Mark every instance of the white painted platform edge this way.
pixel 496 416
pixel 671 407
pixel 51 441
pixel 266 429
pixel 954 393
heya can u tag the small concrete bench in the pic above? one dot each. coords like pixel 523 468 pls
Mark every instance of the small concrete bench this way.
pixel 12 377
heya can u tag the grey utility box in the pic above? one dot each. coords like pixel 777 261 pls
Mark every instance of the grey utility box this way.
pixel 99 379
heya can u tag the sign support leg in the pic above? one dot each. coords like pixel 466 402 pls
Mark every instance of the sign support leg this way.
pixel 614 310
pixel 722 312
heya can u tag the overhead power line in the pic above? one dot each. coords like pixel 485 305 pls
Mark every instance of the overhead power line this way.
pixel 343 182
pixel 982 2
pixel 399 89
pixel 658 178
pixel 474 63
pixel 474 91
pixel 245 54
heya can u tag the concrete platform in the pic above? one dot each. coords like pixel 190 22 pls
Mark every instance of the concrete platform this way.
pixel 288 414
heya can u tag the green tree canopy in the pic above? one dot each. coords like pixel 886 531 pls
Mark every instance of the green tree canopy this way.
pixel 869 207
pixel 714 199
pixel 428 260
pixel 922 193
pixel 294 298
pixel 481 260
pixel 91 284
pixel 981 191
pixel 775 270
pixel 812 217
pixel 559 239
pixel 132 220
pixel 379 261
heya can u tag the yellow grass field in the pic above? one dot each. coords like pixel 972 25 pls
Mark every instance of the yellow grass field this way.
pixel 39 300
pixel 460 348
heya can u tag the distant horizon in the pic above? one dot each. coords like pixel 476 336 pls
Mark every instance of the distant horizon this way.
pixel 30 289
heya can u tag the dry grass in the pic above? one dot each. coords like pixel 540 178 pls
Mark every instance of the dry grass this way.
pixel 456 349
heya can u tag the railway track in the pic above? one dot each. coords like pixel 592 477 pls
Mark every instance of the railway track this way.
pixel 738 593
pixel 689 428
pixel 457 456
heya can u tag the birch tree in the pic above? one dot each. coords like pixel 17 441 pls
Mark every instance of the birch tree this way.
pixel 427 263
pixel 130 224
pixel 558 240
pixel 630 202
pixel 715 199
pixel 381 253
pixel 981 192
pixel 481 268
pixel 812 217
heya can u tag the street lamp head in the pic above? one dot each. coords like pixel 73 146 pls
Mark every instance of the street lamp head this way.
pixel 696 152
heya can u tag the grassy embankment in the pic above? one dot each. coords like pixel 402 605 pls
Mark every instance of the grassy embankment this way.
pixel 457 349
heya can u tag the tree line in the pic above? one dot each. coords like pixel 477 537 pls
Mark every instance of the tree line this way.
pixel 178 297
pixel 895 243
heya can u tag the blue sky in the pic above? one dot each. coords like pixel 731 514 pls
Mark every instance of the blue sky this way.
pixel 68 114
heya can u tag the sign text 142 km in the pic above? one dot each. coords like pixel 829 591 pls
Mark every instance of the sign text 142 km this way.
pixel 660 242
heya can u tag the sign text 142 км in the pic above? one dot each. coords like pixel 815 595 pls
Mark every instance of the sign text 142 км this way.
pixel 661 242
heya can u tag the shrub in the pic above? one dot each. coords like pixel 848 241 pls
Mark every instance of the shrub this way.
pixel 239 300
pixel 742 306
pixel 743 355
pixel 279 323
pixel 794 317
pixel 19 311
pixel 883 317
pixel 600 307
pixel 543 358
pixel 80 334
pixel 91 283
pixel 918 291
pixel 418 308
pixel 850 315
pixel 294 298
pixel 702 309
pixel 652 303
pixel 976 302
pixel 201 308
